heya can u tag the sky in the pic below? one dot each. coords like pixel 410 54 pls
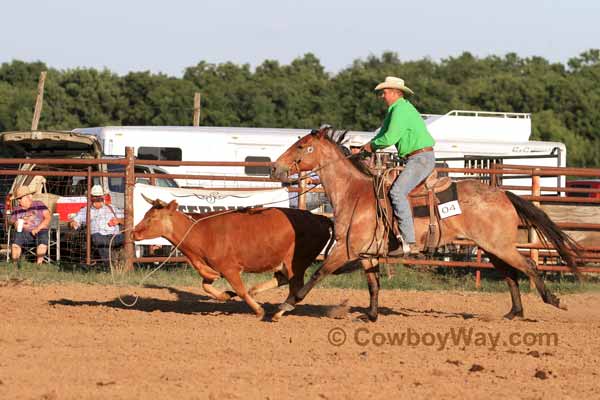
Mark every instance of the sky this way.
pixel 168 36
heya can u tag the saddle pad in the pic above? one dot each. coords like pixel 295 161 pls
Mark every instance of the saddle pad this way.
pixel 442 197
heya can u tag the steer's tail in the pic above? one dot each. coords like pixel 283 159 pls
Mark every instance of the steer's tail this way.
pixel 350 266
pixel 331 238
pixel 534 217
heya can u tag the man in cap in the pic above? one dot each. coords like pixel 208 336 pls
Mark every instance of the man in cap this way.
pixel 105 221
pixel 404 128
pixel 30 219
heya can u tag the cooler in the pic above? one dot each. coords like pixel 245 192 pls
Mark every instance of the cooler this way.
pixel 69 205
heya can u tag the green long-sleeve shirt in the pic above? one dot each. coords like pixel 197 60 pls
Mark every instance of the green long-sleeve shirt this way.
pixel 403 127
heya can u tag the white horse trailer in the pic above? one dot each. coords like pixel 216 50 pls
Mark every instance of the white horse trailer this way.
pixel 177 143
pixel 473 139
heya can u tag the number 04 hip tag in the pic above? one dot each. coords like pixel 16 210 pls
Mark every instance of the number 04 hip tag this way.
pixel 449 209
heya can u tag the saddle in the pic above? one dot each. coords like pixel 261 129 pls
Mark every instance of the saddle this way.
pixel 423 200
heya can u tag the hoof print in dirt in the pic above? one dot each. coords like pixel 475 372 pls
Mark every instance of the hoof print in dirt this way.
pixel 541 374
pixel 476 368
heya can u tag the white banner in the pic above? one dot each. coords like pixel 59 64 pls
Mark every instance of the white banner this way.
pixel 203 200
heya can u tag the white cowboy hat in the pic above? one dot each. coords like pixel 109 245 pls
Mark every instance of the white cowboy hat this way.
pixel 391 82
pixel 97 191
pixel 354 141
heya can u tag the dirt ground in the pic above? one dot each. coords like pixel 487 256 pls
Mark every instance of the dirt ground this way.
pixel 79 342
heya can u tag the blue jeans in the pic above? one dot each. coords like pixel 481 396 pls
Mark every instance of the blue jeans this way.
pixel 416 169
pixel 101 242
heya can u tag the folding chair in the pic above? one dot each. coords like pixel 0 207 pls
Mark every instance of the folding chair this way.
pixel 53 241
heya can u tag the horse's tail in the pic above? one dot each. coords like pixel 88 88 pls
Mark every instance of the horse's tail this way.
pixel 534 217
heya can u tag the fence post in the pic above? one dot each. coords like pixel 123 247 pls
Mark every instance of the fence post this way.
pixel 302 189
pixel 493 176
pixel 39 101
pixel 478 272
pixel 129 184
pixel 533 236
pixel 88 224
pixel 197 109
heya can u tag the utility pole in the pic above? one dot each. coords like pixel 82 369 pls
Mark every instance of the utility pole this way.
pixel 38 102
pixel 197 109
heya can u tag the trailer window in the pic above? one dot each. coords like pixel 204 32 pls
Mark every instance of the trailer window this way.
pixel 159 153
pixel 257 171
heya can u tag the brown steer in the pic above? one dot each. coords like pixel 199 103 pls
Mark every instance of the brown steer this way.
pixel 226 244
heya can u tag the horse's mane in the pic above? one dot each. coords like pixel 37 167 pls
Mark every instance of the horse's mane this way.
pixel 337 138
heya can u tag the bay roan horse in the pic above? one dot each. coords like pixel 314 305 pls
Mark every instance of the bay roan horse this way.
pixel 490 218
pixel 228 243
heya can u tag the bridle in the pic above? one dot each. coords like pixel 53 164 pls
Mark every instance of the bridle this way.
pixel 295 165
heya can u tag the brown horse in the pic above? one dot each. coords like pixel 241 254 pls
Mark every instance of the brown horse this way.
pixel 226 244
pixel 490 217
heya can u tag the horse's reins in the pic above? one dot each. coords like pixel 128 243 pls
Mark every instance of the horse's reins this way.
pixel 378 187
pixel 381 213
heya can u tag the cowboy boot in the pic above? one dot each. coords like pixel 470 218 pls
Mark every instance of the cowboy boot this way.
pixel 404 249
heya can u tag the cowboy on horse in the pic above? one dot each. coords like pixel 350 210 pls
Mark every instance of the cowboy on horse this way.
pixel 404 128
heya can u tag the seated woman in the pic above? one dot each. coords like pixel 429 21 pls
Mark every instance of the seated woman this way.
pixel 31 220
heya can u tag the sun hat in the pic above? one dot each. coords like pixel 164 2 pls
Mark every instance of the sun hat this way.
pixel 97 191
pixel 22 191
pixel 391 82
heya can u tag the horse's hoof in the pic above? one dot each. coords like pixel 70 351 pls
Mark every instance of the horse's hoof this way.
pixel 230 294
pixel 512 314
pixel 372 317
pixel 361 318
pixel 260 313
pixel 277 316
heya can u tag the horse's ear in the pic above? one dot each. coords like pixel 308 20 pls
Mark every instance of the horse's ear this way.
pixel 323 131
pixel 172 205
pixel 319 133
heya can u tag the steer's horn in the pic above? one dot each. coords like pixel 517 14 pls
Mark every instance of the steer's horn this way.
pixel 161 203
pixel 147 199
pixel 155 203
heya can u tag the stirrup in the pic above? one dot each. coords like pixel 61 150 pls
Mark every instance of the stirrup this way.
pixel 403 249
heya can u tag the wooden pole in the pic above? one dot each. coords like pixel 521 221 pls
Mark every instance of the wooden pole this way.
pixel 533 236
pixel 129 184
pixel 478 272
pixel 493 176
pixel 302 188
pixel 197 109
pixel 88 224
pixel 38 102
